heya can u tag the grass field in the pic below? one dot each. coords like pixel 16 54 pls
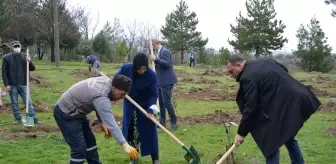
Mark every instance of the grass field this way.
pixel 204 100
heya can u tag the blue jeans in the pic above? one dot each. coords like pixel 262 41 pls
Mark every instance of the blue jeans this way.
pixel 293 150
pixel 165 96
pixel 14 93
pixel 79 136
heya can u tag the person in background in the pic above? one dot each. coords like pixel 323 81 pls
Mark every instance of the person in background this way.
pixel 274 106
pixel 191 56
pixel 82 98
pixel 93 63
pixel 14 68
pixel 166 78
pixel 144 91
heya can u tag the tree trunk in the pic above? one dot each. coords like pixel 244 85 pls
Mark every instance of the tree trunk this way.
pixel 257 53
pixel 182 56
pixel 52 52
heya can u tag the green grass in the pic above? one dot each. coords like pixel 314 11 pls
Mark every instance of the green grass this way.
pixel 210 140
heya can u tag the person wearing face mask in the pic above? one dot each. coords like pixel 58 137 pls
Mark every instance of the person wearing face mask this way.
pixel 144 92
pixel 84 97
pixel 14 68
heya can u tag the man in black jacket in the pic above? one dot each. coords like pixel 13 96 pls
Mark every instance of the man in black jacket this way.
pixel 274 106
pixel 14 67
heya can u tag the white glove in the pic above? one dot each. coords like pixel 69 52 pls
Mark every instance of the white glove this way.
pixel 154 108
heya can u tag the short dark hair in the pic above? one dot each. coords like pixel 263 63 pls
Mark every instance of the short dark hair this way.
pixel 122 82
pixel 234 59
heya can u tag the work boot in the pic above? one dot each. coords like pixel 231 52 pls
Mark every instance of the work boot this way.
pixel 36 121
pixel 17 121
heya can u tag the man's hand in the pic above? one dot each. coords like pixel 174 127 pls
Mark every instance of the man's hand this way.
pixel 28 58
pixel 239 140
pixel 8 88
pixel 106 131
pixel 132 152
pixel 154 109
pixel 153 57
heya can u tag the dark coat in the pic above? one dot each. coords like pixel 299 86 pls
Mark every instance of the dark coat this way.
pixel 144 91
pixel 14 68
pixel 164 68
pixel 273 104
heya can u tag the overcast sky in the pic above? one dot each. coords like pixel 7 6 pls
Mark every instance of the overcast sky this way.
pixel 214 16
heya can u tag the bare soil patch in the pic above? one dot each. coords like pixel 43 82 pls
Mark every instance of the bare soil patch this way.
pixel 331 131
pixel 206 94
pixel 81 73
pixel 215 72
pixel 39 80
pixel 38 106
pixel 200 80
pixel 328 107
pixel 319 79
pixel 321 93
pixel 27 132
pixel 219 117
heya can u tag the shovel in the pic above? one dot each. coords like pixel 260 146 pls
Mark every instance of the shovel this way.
pixel 191 156
pixel 27 121
pixel 221 160
pixel 153 67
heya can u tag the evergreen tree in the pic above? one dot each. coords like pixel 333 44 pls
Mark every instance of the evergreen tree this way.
pixel 260 32
pixel 331 2
pixel 180 29
pixel 312 49
pixel 5 16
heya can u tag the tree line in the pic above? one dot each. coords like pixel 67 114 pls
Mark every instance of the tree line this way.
pixel 258 33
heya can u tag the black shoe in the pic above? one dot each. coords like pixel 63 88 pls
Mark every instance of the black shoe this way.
pixel 174 126
pixel 36 121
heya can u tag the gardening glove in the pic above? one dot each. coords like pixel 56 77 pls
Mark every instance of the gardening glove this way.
pixel 154 109
pixel 106 131
pixel 132 152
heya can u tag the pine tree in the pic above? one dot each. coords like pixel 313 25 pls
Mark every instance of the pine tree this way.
pixel 312 49
pixel 5 16
pixel 180 29
pixel 260 32
pixel 331 2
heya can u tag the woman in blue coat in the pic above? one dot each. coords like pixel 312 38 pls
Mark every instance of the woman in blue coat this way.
pixel 143 91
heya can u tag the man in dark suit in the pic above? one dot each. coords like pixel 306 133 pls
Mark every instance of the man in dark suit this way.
pixel 166 78
pixel 274 106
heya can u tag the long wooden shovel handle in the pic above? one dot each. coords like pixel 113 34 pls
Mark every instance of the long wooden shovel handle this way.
pixel 153 67
pixel 226 154
pixel 151 117
pixel 27 90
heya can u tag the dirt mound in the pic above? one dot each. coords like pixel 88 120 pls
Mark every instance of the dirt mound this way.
pixel 331 131
pixel 328 107
pixel 217 72
pixel 37 79
pixel 320 92
pixel 219 117
pixel 96 125
pixel 5 108
pixel 27 132
pixel 38 106
pixel 82 73
pixel 203 94
pixel 42 106
pixel 200 80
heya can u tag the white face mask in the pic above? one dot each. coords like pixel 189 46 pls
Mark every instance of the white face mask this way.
pixel 17 50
